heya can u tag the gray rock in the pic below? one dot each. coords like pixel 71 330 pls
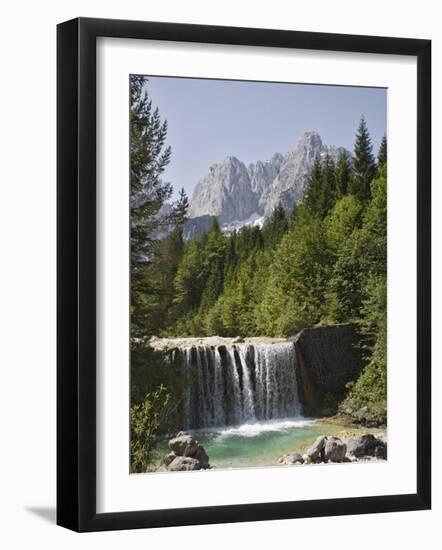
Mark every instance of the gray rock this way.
pixel 307 459
pixel 370 443
pixel 238 340
pixel 316 451
pixel 355 447
pixel 183 445
pixel 169 458
pixel 184 464
pixel 380 451
pixel 335 450
pixel 364 446
pixel 202 457
pixel 292 458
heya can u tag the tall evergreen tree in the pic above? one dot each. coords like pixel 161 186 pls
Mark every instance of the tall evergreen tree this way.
pixel 314 189
pixel 342 175
pixel 382 154
pixel 149 157
pixel 364 167
pixel 275 228
pixel 328 197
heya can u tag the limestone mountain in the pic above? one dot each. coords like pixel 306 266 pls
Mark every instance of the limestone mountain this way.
pixel 237 195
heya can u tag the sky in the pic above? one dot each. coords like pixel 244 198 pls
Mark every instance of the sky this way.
pixel 211 119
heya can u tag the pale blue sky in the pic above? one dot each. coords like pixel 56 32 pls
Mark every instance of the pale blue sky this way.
pixel 210 119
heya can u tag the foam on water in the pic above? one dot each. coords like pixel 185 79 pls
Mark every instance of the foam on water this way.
pixel 258 428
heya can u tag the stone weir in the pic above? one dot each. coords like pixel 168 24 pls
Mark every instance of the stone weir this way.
pixel 231 381
pixel 234 381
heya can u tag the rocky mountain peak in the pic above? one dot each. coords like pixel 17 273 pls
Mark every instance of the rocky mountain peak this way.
pixel 235 194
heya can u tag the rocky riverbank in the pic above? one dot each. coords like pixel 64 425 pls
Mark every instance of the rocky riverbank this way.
pixel 186 454
pixel 332 449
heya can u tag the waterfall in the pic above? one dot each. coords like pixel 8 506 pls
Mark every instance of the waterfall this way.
pixel 238 383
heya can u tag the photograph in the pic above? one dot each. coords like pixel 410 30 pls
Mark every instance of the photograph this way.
pixel 258 274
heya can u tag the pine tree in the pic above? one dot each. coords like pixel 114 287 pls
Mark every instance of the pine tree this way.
pixel 148 159
pixel 275 228
pixel 180 208
pixel 314 189
pixel 342 175
pixel 382 154
pixel 364 166
pixel 328 197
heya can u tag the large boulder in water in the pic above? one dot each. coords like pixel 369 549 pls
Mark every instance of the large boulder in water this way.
pixel 366 445
pixel 202 457
pixel 334 450
pixel 184 444
pixel 316 451
pixel 169 458
pixel 185 447
pixel 184 464
pixel 292 458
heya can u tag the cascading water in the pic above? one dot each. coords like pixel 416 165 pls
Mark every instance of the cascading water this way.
pixel 238 383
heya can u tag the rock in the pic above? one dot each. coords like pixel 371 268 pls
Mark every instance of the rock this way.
pixel 184 444
pixel 307 459
pixel 316 451
pixel 355 447
pixel 380 451
pixel 169 458
pixel 184 464
pixel 238 340
pixel 334 450
pixel 364 446
pixel 292 458
pixel 361 415
pixel 202 457
pixel 370 442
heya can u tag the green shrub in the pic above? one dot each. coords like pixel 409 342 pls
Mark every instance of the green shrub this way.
pixel 146 420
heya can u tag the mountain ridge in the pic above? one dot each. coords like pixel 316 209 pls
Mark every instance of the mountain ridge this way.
pixel 238 195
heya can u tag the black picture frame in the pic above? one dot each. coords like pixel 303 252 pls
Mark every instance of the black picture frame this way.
pixel 76 273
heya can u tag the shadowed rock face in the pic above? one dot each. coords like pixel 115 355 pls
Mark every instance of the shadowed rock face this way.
pixel 327 358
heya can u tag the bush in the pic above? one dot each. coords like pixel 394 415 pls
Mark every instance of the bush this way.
pixel 146 420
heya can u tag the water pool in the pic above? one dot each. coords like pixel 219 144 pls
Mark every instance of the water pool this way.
pixel 261 443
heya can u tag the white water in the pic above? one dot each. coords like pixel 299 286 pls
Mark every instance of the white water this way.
pixel 239 384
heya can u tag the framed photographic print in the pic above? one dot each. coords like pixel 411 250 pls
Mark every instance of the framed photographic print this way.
pixel 243 274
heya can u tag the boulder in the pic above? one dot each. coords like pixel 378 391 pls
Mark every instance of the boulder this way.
pixel 316 451
pixel 370 443
pixel 184 445
pixel 238 340
pixel 334 450
pixel 365 446
pixel 355 447
pixel 202 457
pixel 184 464
pixel 307 459
pixel 169 458
pixel 292 458
pixel 380 451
